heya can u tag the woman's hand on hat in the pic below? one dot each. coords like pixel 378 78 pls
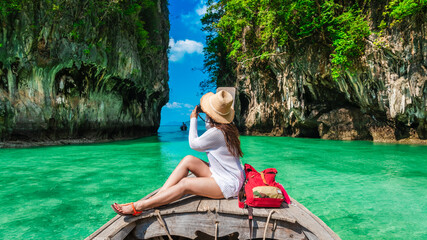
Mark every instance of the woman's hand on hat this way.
pixel 194 113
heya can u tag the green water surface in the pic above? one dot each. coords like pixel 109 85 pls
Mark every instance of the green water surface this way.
pixel 362 190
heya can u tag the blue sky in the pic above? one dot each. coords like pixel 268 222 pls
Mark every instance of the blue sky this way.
pixel 185 59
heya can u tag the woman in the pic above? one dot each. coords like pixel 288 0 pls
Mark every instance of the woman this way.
pixel 221 178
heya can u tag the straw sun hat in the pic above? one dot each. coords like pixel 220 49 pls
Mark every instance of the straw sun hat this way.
pixel 218 106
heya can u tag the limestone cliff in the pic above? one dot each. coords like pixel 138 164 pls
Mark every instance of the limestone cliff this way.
pixel 384 98
pixel 79 69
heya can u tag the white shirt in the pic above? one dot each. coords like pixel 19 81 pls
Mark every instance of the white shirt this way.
pixel 226 169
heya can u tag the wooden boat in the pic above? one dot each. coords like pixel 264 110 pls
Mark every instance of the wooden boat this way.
pixel 195 217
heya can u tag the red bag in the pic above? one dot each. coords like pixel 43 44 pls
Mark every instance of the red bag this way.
pixel 261 189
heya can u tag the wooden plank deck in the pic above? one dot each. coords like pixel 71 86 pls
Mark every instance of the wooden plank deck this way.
pixel 208 205
pixel 192 216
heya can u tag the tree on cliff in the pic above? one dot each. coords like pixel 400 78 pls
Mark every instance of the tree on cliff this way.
pixel 244 31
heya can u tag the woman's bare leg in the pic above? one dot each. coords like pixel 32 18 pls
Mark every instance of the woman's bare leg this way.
pixel 202 186
pixel 188 163
pixel 197 166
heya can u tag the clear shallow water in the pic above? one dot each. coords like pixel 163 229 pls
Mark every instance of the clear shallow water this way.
pixel 362 190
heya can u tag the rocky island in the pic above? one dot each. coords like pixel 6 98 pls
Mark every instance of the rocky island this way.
pixel 347 70
pixel 81 71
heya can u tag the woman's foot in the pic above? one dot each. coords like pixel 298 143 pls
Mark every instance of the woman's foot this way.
pixel 126 209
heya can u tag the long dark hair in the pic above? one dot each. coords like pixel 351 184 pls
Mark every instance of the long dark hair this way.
pixel 231 135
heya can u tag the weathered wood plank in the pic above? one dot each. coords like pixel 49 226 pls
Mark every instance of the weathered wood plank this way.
pixel 108 226
pixel 113 229
pixel 188 224
pixel 124 232
pixel 310 235
pixel 193 213
pixel 231 206
pixel 260 212
pixel 207 205
pixel 121 223
pixel 102 228
pixel 189 204
pixel 284 215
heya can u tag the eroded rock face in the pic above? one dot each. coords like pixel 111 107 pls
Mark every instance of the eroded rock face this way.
pixel 384 98
pixel 74 77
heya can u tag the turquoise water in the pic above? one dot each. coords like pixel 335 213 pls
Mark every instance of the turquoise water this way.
pixel 362 190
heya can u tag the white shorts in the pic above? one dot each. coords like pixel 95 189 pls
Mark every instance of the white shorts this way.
pixel 230 186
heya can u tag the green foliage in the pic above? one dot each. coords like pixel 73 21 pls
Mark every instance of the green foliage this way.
pixel 258 29
pixel 10 6
pixel 75 32
pixel 348 33
pixel 143 17
pixel 397 10
pixel 132 9
pixel 94 15
pixel 217 63
pixel 55 7
pixel 255 29
pixel 142 34
pixel 87 50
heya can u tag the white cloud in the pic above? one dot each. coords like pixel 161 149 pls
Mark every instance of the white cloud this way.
pixel 181 47
pixel 173 105
pixel 178 105
pixel 201 10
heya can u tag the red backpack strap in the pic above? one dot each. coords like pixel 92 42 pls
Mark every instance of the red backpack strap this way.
pixel 241 203
pixel 285 194
pixel 263 179
pixel 241 196
pixel 250 220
